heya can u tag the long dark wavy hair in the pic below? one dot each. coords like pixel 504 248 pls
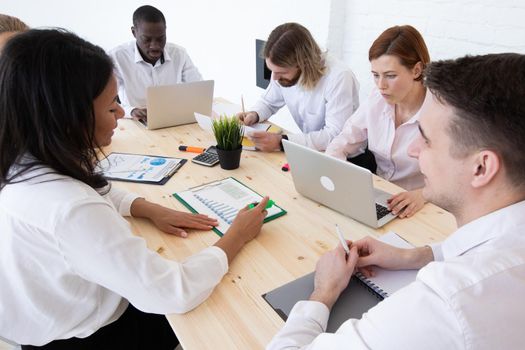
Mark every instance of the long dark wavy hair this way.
pixel 48 82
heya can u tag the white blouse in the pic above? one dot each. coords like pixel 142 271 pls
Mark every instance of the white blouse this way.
pixel 70 263
pixel 374 122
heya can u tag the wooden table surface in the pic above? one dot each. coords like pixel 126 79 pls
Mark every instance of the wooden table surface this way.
pixel 236 316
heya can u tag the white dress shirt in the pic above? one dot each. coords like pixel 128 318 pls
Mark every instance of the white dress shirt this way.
pixel 70 263
pixel 134 75
pixel 473 299
pixel 374 122
pixel 321 112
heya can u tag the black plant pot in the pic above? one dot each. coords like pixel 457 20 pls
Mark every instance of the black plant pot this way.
pixel 229 159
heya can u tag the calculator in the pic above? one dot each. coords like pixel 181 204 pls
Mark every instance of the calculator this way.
pixel 208 157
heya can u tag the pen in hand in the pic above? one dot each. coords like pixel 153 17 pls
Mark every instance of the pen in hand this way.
pixel 268 205
pixel 342 240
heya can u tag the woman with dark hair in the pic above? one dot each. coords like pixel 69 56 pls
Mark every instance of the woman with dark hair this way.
pixel 73 275
pixel 388 121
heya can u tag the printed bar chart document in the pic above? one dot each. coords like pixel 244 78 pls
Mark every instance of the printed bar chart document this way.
pixel 222 200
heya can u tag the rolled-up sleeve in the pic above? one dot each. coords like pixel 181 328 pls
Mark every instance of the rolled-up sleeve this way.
pixel 353 138
pixel 415 317
pixel 122 200
pixel 341 100
pixel 270 102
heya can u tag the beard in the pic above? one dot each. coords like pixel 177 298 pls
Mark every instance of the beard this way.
pixel 289 82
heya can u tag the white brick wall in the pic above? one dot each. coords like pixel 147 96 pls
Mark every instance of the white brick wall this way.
pixel 450 28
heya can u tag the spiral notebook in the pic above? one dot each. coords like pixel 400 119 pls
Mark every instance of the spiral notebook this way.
pixel 222 200
pixel 361 294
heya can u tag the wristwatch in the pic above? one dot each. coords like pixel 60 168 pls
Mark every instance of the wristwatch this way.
pixel 283 137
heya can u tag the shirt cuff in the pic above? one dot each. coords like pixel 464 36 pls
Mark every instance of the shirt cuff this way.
pixel 263 111
pixel 437 251
pixel 311 310
pixel 125 205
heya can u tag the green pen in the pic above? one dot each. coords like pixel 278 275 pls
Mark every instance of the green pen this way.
pixel 268 205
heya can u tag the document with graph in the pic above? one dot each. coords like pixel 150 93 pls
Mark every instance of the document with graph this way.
pixel 222 200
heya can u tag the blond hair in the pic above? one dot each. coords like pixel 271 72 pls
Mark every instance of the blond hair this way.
pixel 292 45
pixel 11 24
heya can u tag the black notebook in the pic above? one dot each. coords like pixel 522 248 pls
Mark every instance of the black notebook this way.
pixel 361 294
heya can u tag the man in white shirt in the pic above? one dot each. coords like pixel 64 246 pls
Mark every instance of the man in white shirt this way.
pixel 469 291
pixel 149 61
pixel 320 92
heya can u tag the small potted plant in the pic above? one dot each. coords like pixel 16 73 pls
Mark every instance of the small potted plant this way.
pixel 228 132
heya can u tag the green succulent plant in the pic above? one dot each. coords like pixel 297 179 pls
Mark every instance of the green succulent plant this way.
pixel 228 132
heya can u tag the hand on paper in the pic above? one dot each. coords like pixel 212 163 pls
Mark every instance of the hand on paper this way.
pixel 245 227
pixel 169 220
pixel 332 274
pixel 266 141
pixel 174 222
pixel 248 222
pixel 139 114
pixel 411 201
pixel 248 118
pixel 376 253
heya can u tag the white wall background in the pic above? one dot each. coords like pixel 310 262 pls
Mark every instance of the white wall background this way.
pixel 219 35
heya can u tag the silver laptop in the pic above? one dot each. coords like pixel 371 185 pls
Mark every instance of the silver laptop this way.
pixel 172 105
pixel 337 184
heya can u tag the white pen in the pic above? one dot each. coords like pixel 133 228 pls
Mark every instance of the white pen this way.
pixel 342 239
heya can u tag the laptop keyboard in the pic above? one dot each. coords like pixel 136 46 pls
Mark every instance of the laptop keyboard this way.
pixel 381 211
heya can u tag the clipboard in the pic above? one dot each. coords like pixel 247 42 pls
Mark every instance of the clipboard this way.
pixel 223 199
pixel 139 168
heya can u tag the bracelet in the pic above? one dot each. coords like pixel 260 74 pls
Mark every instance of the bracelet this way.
pixel 283 137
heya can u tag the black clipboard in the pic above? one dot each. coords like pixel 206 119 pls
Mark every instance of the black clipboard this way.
pixel 160 161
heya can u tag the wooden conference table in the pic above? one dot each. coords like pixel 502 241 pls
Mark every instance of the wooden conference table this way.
pixel 236 316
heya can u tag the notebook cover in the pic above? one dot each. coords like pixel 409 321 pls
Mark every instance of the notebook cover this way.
pixel 358 297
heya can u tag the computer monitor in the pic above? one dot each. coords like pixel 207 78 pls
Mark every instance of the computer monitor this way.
pixel 262 73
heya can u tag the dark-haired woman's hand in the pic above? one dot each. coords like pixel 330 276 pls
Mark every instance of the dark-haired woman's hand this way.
pixel 170 220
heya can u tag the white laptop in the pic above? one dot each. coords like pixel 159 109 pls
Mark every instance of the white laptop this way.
pixel 339 185
pixel 172 105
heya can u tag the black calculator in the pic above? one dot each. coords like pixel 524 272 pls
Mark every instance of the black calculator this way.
pixel 208 157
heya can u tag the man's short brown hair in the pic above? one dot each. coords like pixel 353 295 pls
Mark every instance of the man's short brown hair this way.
pixel 488 95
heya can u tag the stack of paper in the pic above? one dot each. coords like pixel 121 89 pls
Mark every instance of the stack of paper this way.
pixel 205 123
